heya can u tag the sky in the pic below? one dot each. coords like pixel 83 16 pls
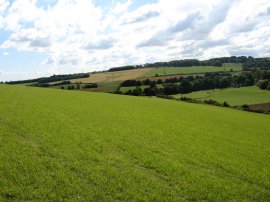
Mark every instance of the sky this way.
pixel 45 37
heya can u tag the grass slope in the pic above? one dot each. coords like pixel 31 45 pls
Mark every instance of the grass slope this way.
pixel 234 96
pixel 78 146
pixel 190 70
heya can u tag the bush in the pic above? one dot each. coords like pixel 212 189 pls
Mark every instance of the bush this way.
pixel 245 106
pixel 225 104
pixel 212 102
pixel 263 84
pixel 91 85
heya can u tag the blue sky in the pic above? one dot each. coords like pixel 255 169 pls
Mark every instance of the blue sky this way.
pixel 44 37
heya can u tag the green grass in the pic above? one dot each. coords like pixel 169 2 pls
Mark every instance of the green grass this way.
pixel 58 145
pixel 195 95
pixel 105 87
pixel 191 70
pixel 125 89
pixel 234 96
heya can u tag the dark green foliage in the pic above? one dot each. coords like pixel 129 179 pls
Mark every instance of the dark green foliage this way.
pixel 263 84
pixel 129 83
pixel 185 87
pixel 138 83
pixel 245 106
pixel 90 85
pixel 150 91
pixel 170 89
pixel 171 80
pixel 225 104
pixel 43 85
pixel 71 87
pixel 225 82
pixel 51 78
pixel 159 81
pixel 146 82
pixel 130 67
pixel 209 81
pixel 135 92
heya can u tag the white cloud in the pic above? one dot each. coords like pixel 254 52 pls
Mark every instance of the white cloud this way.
pixel 5 53
pixel 121 7
pixel 78 33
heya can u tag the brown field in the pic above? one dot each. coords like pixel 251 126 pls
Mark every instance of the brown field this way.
pixel 265 106
pixel 113 76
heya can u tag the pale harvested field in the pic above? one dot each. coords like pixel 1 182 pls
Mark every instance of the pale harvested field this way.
pixel 113 76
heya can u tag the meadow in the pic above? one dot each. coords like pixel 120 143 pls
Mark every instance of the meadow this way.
pixel 191 70
pixel 233 96
pixel 58 145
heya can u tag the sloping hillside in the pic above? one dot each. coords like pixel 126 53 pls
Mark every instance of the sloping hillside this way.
pixel 78 146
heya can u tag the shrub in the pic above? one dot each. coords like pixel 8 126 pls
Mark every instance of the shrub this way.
pixel 225 104
pixel 245 106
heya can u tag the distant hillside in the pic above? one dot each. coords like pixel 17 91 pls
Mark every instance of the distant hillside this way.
pixel 246 62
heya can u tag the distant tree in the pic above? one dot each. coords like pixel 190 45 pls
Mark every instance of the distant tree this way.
pixel 225 82
pixel 146 82
pixel 197 85
pixel 152 84
pixel 208 83
pixel 170 89
pixel 263 84
pixel 137 91
pixel 159 81
pixel 129 92
pixel 90 85
pixel 129 83
pixel 138 83
pixel 225 104
pixel 185 87
pixel 150 91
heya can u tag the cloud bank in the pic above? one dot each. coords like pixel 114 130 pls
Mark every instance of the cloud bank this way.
pixel 78 33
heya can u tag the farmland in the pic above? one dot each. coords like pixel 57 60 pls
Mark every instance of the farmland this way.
pixel 113 76
pixel 75 146
pixel 234 96
pixel 191 70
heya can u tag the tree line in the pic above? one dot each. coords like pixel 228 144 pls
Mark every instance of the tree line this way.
pixel 52 78
pixel 247 62
pixel 190 84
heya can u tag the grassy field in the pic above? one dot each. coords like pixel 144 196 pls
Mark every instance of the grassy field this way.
pixel 191 70
pixel 125 89
pixel 105 87
pixel 60 145
pixel 196 95
pixel 113 76
pixel 234 96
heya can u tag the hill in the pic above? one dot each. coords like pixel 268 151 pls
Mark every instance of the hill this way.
pixel 233 96
pixel 69 145
pixel 191 70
